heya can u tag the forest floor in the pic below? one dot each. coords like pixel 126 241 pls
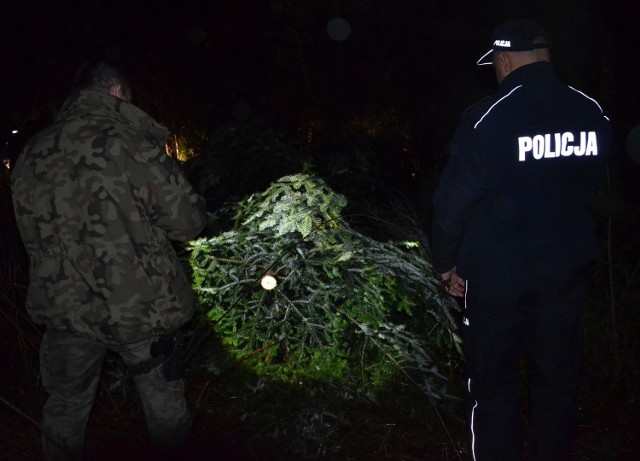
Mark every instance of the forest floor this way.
pixel 239 416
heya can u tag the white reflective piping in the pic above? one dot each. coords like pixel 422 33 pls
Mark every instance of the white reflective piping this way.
pixel 590 99
pixel 466 288
pixel 475 405
pixel 494 105
pixel 478 63
pixel 473 433
pixel 465 319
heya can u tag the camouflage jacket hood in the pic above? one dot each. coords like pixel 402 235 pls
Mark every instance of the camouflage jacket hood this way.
pixel 97 203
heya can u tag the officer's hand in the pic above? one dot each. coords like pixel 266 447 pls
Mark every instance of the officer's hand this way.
pixel 453 283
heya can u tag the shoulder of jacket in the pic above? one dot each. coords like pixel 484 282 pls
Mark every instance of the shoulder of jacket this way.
pixel 478 106
pixel 477 111
pixel 585 97
pixel 498 105
pixel 483 102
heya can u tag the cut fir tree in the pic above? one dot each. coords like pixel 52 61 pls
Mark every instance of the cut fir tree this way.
pixel 319 300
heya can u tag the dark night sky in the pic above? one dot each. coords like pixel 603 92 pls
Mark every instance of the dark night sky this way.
pixel 192 61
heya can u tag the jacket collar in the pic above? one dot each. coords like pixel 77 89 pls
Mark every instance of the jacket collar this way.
pixel 86 104
pixel 535 73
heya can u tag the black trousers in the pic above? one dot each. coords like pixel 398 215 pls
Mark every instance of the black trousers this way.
pixel 542 322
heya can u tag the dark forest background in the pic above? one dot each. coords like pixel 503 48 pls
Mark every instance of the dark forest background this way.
pixel 199 64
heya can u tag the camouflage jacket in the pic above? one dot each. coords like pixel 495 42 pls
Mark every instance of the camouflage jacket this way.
pixel 97 201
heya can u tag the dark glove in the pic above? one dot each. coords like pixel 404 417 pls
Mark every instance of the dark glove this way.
pixel 170 346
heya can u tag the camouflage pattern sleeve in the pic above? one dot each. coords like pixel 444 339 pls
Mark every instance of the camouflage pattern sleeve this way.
pixel 172 204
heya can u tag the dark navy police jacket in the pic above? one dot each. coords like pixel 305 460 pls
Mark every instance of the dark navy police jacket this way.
pixel 512 203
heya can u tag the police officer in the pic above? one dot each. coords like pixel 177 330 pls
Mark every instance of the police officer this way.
pixel 97 202
pixel 512 235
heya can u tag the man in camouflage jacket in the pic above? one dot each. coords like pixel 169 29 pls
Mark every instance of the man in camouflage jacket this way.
pixel 97 202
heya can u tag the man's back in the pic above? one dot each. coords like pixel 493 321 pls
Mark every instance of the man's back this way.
pixel 97 201
pixel 530 158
